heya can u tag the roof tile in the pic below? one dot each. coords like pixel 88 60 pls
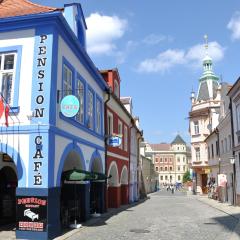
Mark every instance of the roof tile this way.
pixel 13 8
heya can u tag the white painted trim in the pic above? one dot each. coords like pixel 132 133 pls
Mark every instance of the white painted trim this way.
pixel 117 156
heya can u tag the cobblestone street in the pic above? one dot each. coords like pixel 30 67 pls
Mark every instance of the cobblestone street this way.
pixel 163 217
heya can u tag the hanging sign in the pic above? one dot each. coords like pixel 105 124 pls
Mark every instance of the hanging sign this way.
pixel 114 141
pixel 69 106
pixel 31 213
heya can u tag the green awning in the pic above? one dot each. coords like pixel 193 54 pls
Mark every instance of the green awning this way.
pixel 82 175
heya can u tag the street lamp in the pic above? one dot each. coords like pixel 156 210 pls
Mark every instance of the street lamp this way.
pixel 232 161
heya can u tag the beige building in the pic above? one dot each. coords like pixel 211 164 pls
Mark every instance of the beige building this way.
pixel 170 160
pixel 203 119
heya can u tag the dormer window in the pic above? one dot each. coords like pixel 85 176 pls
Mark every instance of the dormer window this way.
pixel 116 88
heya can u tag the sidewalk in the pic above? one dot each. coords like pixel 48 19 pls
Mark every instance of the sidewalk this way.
pixel 231 210
pixel 98 220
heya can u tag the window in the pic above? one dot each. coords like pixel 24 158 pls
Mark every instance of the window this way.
pixel 161 160
pixel 225 143
pixel 238 116
pixel 222 146
pixel 161 168
pixel 197 150
pixel 125 138
pixel 179 178
pixel 170 160
pixel 229 142
pixel 7 74
pixel 196 127
pixel 166 169
pixel 184 159
pixel 116 88
pixel 170 177
pixel 212 151
pixel 90 110
pixel 165 159
pixel 184 168
pixel 157 169
pixel 166 178
pixel 178 159
pixel 170 168
pixel 120 131
pixel 156 160
pixel 217 148
pixel 110 124
pixel 161 177
pixel 67 81
pixel 98 116
pixel 178 168
pixel 80 96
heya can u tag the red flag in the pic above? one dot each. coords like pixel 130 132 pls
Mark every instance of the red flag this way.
pixel 1 107
pixel 6 115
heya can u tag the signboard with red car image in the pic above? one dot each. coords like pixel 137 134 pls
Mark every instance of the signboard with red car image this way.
pixel 31 213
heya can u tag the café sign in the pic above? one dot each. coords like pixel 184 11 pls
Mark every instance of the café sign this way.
pixel 69 106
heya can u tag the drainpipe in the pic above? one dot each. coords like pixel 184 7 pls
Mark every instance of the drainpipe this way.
pixel 105 140
pixel 138 164
pixel 129 154
pixel 233 154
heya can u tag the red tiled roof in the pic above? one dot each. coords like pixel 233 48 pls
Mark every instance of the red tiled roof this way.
pixel 13 8
pixel 161 147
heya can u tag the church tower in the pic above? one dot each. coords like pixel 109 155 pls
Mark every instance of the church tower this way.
pixel 203 119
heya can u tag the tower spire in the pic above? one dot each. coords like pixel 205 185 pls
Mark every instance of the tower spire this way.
pixel 206 43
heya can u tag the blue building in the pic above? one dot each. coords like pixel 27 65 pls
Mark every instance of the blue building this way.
pixel 43 58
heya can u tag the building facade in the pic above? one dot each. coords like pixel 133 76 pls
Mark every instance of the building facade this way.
pixel 170 160
pixel 203 119
pixel 43 59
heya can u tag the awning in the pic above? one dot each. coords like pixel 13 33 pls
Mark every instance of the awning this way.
pixel 82 175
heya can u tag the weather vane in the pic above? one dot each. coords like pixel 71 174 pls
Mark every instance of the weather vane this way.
pixel 206 41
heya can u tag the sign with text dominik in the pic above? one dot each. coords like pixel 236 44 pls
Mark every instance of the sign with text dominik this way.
pixel 114 141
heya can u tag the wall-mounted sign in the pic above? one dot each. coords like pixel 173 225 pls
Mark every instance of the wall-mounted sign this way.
pixel 31 213
pixel 69 106
pixel 114 141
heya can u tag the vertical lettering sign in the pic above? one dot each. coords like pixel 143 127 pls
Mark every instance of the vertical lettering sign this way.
pixel 31 213
pixel 39 111
pixel 38 157
pixel 41 71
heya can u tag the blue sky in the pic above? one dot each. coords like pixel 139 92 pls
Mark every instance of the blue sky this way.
pixel 157 47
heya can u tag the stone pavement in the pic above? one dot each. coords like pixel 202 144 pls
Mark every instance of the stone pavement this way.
pixel 227 208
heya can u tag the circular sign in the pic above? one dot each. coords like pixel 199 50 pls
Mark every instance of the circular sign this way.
pixel 69 106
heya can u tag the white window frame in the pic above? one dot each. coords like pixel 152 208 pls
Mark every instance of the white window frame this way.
pixel 120 131
pixel 80 94
pixel 8 97
pixel 98 116
pixel 90 109
pixel 198 155
pixel 125 138
pixel 196 127
pixel 68 81
pixel 109 124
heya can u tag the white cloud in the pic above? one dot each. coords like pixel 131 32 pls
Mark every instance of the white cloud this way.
pixel 172 57
pixel 163 62
pixel 103 31
pixel 234 26
pixel 154 39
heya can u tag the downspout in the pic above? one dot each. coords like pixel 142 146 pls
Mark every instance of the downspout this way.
pixel 233 153
pixel 105 140
pixel 129 164
pixel 138 164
